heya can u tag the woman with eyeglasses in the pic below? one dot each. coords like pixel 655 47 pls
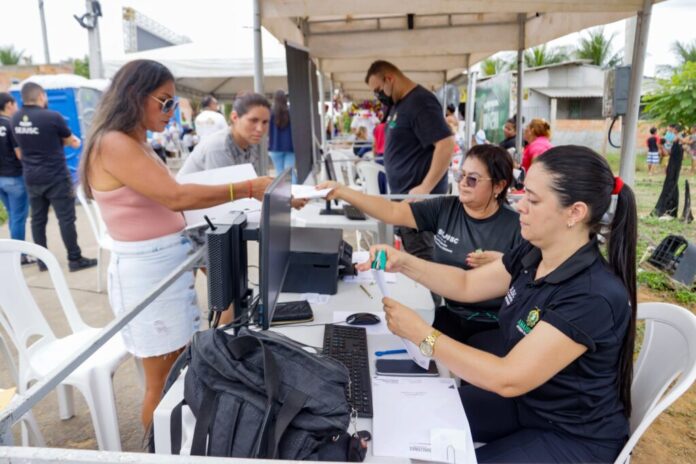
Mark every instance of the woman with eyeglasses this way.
pixel 141 204
pixel 470 230
pixel 561 391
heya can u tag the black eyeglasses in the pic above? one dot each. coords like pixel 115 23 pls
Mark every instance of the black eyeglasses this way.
pixel 471 179
pixel 168 105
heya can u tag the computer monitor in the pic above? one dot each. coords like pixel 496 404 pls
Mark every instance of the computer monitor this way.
pixel 274 245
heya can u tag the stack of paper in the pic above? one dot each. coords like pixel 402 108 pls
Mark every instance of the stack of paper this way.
pixel 420 418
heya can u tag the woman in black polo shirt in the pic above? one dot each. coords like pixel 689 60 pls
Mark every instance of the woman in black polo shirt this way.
pixel 470 230
pixel 562 391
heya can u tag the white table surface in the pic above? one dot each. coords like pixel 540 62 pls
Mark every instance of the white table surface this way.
pixel 348 298
pixel 309 216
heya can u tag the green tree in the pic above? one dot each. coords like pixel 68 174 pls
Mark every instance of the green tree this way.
pixel 674 101
pixel 685 53
pixel 491 66
pixel 81 66
pixel 10 56
pixel 597 47
pixel 542 56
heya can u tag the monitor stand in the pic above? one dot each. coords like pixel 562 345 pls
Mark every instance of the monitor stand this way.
pixel 328 211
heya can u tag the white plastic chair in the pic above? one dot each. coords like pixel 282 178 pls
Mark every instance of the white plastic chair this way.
pixel 344 166
pixel 668 355
pixel 104 240
pixel 28 421
pixel 368 172
pixel 40 351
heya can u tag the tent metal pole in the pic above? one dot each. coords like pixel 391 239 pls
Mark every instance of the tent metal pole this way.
pixel 627 169
pixel 258 80
pixel 322 112
pixel 522 23
pixel 470 103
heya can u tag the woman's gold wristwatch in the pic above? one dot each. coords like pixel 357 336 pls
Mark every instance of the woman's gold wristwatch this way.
pixel 427 346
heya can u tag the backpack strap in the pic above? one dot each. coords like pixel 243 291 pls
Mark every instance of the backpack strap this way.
pixel 175 428
pixel 205 415
pixel 291 407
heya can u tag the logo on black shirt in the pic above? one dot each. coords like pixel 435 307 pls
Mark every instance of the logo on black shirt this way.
pixel 26 127
pixel 532 318
pixel 3 131
pixel 511 294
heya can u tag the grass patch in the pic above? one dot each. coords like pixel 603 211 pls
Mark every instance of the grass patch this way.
pixel 3 214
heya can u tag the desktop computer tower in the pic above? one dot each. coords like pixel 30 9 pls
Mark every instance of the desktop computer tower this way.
pixel 314 261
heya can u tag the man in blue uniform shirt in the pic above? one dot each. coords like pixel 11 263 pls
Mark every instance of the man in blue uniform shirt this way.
pixel 41 135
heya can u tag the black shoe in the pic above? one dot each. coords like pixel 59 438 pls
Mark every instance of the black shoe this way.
pixel 42 266
pixel 81 263
pixel 27 260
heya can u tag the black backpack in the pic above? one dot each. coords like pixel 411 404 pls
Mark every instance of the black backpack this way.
pixel 262 395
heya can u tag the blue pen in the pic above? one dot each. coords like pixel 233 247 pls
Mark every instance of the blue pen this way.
pixel 388 352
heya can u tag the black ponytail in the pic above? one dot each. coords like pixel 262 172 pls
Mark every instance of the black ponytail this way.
pixel 580 174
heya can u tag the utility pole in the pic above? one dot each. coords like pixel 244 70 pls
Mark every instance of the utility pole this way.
pixel 258 80
pixel 42 14
pixel 90 21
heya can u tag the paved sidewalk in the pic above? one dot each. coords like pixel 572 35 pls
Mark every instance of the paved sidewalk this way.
pixel 78 432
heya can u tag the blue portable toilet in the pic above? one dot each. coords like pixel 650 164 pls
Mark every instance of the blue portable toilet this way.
pixel 76 98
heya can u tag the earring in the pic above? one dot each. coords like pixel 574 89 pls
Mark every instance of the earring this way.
pixel 570 225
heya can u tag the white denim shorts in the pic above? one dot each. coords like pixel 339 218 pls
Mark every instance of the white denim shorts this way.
pixel 167 323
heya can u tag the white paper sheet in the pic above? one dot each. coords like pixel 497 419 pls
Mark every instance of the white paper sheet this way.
pixel 226 175
pixel 308 191
pixel 407 409
pixel 315 298
pixel 375 329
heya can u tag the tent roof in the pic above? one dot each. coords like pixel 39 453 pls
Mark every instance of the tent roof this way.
pixel 200 69
pixel 434 39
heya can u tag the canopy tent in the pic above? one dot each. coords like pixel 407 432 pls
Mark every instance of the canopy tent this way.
pixel 431 41
pixel 439 39
pixel 200 70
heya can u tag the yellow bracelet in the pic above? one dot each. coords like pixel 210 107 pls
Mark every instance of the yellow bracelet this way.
pixel 231 192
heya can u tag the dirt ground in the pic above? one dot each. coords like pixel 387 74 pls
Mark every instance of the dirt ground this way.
pixel 671 439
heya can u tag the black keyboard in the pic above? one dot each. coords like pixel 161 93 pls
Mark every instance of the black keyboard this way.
pixel 353 213
pixel 348 345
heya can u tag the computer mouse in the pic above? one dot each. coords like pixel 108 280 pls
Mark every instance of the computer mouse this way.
pixel 363 319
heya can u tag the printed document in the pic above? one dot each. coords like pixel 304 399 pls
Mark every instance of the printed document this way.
pixel 420 418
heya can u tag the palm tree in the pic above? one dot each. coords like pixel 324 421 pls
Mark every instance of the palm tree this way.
pixel 491 66
pixel 543 56
pixel 10 56
pixel 685 52
pixel 598 48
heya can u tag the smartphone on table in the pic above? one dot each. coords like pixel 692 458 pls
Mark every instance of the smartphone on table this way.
pixel 405 368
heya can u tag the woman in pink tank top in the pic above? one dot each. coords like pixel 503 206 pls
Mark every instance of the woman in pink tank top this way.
pixel 141 203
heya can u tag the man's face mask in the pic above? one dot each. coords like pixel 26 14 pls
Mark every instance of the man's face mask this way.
pixel 383 97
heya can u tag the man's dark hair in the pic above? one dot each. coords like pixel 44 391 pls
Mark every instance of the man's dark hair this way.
pixel 451 108
pixel 653 130
pixel 677 127
pixel 379 67
pixel 31 91
pixel 246 101
pixel 207 101
pixel 5 98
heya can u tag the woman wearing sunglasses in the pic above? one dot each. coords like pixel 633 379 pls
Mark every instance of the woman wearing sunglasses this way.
pixel 561 392
pixel 470 230
pixel 141 204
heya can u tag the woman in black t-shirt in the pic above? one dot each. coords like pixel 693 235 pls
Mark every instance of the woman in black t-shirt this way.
pixel 562 391
pixel 469 231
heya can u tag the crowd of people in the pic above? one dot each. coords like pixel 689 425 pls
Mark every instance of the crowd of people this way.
pixel 537 323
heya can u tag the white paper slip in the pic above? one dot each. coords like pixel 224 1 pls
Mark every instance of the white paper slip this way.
pixel 308 191
pixel 226 175
pixel 315 298
pixel 380 279
pixel 432 404
pixel 374 329
pixel 415 354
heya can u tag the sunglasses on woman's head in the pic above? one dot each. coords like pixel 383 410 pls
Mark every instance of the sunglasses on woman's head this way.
pixel 471 179
pixel 168 105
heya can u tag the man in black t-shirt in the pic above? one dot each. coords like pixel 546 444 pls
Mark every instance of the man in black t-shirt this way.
pixel 419 143
pixel 41 135
pixel 13 193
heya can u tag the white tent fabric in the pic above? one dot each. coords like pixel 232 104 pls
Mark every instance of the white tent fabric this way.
pixel 432 40
pixel 201 69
